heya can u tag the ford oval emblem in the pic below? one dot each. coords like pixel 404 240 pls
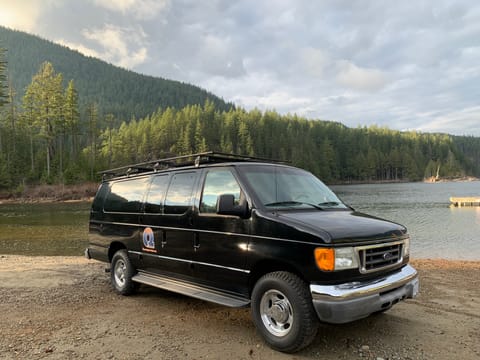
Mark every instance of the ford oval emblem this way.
pixel 387 256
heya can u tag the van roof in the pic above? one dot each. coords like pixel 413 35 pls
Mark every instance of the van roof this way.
pixel 209 157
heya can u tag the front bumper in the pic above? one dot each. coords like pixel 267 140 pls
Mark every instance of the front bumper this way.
pixel 347 302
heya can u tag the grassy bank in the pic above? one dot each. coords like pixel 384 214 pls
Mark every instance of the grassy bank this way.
pixel 51 193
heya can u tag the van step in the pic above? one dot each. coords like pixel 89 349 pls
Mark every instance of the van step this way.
pixel 195 291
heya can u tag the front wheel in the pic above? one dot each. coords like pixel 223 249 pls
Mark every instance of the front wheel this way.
pixel 122 272
pixel 282 311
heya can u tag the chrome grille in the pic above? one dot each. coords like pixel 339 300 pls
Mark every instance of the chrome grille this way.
pixel 380 256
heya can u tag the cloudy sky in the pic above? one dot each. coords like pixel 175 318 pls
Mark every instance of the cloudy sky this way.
pixel 402 64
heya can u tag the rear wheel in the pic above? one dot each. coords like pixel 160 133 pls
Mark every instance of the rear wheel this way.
pixel 122 272
pixel 283 312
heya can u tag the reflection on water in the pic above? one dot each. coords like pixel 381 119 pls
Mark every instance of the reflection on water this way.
pixel 436 229
pixel 44 229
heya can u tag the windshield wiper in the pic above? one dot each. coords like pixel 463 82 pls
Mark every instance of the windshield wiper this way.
pixel 293 203
pixel 329 203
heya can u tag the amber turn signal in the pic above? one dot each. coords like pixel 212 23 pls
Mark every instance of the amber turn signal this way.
pixel 325 259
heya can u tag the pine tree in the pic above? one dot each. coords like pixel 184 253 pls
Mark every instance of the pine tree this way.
pixel 72 117
pixel 3 92
pixel 47 100
pixel 109 120
pixel 3 78
pixel 92 114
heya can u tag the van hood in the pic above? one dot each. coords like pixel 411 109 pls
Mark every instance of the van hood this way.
pixel 342 226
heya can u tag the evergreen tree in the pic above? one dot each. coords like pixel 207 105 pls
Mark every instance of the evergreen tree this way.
pixel 46 95
pixel 3 78
pixel 92 116
pixel 72 117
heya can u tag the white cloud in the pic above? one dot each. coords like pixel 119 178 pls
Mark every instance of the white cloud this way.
pixel 140 9
pixel 316 61
pixel 455 122
pixel 79 47
pixel 121 46
pixel 273 100
pixel 20 15
pixel 363 79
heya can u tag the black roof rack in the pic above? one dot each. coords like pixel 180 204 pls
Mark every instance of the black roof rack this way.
pixel 179 161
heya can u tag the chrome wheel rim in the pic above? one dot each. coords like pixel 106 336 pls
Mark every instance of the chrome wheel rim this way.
pixel 276 313
pixel 119 272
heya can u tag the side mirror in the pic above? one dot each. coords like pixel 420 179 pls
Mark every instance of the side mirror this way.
pixel 226 206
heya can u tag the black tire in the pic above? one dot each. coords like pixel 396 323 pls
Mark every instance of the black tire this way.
pixel 283 312
pixel 121 272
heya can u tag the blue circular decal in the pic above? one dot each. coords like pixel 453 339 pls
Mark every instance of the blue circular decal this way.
pixel 148 238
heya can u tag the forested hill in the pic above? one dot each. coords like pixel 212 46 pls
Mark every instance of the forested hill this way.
pixel 115 90
pixel 330 150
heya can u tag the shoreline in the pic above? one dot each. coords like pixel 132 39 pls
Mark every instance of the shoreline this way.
pixel 20 201
pixel 52 194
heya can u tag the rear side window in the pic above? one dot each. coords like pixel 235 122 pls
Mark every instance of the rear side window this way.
pixel 126 196
pixel 100 197
pixel 156 194
pixel 179 195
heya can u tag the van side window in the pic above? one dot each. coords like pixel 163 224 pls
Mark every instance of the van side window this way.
pixel 218 182
pixel 156 194
pixel 126 196
pixel 179 194
pixel 100 197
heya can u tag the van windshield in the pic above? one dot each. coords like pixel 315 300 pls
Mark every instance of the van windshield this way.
pixel 282 187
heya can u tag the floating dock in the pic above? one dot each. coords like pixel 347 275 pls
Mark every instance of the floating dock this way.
pixel 465 201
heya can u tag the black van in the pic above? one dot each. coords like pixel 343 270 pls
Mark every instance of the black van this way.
pixel 242 231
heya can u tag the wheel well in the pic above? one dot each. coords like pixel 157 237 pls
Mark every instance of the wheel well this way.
pixel 268 266
pixel 113 248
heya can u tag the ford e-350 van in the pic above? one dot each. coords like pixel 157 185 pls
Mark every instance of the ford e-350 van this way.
pixel 242 231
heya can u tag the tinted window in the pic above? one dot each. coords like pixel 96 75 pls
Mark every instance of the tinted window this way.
pixel 126 196
pixel 156 194
pixel 100 197
pixel 179 195
pixel 218 182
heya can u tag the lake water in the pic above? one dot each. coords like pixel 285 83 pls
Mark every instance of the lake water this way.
pixel 436 229
pixel 44 229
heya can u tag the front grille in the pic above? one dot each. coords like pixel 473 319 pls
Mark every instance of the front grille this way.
pixel 380 256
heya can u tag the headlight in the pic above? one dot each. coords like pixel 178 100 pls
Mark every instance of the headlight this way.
pixel 329 259
pixel 406 247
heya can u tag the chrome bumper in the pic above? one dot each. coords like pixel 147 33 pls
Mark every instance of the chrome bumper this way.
pixel 347 302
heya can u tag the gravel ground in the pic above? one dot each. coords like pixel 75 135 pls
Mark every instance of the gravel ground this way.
pixel 64 308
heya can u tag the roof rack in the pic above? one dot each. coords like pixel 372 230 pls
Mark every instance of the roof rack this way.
pixel 179 161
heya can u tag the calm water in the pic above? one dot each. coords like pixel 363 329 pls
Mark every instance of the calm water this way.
pixel 44 229
pixel 436 230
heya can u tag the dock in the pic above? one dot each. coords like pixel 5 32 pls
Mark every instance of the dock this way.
pixel 465 201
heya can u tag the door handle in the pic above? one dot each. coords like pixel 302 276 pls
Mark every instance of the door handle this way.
pixel 163 240
pixel 196 241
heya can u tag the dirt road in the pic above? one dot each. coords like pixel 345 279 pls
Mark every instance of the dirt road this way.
pixel 64 308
